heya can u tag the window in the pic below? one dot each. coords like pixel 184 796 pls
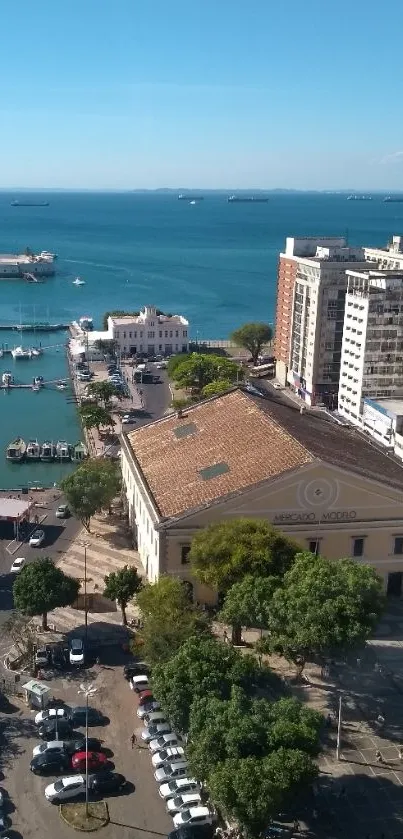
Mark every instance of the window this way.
pixel 358 546
pixel 314 546
pixel 176 333
pixel 185 554
pixel 124 334
pixel 398 549
pixel 185 333
pixel 166 334
pixel 160 333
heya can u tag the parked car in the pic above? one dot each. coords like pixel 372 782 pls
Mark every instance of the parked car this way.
pixel 52 746
pixel 178 786
pixel 63 511
pixel 194 815
pixel 76 651
pixel 147 708
pixel 37 539
pixel 42 656
pixel 96 761
pixel 171 755
pixel 51 713
pixel 78 745
pixel 70 787
pixel 184 802
pixel 128 419
pixel 192 831
pixel 17 565
pixel 50 762
pixel 55 729
pixel 154 718
pixel 170 771
pixel 78 716
pixel 58 657
pixel 105 782
pixel 139 683
pixel 134 669
pixel 164 742
pixel 155 731
pixel 145 696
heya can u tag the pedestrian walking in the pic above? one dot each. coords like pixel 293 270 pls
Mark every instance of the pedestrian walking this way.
pixel 380 720
pixel 296 826
pixel 329 721
pixel 133 740
pixel 378 756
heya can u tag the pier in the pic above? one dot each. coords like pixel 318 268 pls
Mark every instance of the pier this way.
pixel 35 327
pixel 31 386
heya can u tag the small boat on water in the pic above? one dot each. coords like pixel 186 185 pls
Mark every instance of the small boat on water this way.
pixel 21 353
pixel 16 450
pixel 62 451
pixel 61 386
pixel 38 380
pixel 33 450
pixel 36 351
pixel 78 452
pixel 47 452
pixel 48 256
pixel 7 378
pixel 1 353
pixel 78 281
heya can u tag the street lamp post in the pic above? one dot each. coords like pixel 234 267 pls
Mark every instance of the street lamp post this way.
pixel 87 690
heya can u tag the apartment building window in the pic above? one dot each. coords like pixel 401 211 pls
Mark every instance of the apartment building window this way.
pixel 185 333
pixel 166 334
pixel 314 546
pixel 185 554
pixel 398 547
pixel 130 334
pixel 358 546
pixel 176 334
pixel 160 333
pixel 124 334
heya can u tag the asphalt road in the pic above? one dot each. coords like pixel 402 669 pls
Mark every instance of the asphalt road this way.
pixel 156 398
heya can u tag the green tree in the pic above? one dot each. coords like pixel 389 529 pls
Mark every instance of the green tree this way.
pixel 223 553
pixel 93 416
pixel 252 791
pixel 169 618
pixel 175 361
pixel 41 587
pixel 253 336
pixel 323 607
pixel 202 665
pixel 91 488
pixel 217 387
pixel 197 371
pixel 106 346
pixel 246 727
pixel 121 586
pixel 103 392
pixel 247 603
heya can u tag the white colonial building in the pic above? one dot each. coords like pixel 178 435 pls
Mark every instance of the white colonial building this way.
pixel 150 333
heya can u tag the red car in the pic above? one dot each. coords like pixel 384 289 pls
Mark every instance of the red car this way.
pixel 145 696
pixel 96 760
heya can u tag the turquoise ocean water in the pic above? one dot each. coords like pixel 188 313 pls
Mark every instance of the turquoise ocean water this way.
pixel 214 262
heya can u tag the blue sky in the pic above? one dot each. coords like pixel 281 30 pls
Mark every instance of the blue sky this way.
pixel 208 93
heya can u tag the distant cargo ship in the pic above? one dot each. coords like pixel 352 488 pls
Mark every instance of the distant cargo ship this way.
pixel 184 197
pixel 30 203
pixel 247 199
pixel 359 198
pixel 393 199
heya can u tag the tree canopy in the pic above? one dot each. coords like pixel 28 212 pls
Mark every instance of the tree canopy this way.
pixel 253 336
pixel 169 618
pixel 252 790
pixel 324 606
pixel 103 392
pixel 201 666
pixel 247 603
pixel 122 585
pixel 93 416
pixel 91 488
pixel 174 362
pixel 217 387
pixel 41 587
pixel 199 370
pixel 223 553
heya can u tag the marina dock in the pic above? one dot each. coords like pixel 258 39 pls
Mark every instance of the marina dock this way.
pixel 34 327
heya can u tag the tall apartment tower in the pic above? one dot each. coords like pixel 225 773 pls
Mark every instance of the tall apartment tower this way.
pixel 311 292
pixel 372 350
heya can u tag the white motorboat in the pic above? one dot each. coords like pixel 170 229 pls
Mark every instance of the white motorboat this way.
pixel 21 352
pixel 7 378
pixel 48 256
pixel 1 353
pixel 33 450
pixel 78 281
pixel 36 351
pixel 62 450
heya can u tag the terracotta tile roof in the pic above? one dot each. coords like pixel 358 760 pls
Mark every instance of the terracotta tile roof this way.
pixel 231 433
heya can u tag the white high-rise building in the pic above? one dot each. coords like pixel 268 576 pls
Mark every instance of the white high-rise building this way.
pixel 372 350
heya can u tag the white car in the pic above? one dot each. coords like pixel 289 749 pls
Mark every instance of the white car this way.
pixel 128 419
pixel 76 651
pixel 184 802
pixel 170 771
pixel 50 714
pixel 194 815
pixel 162 365
pixel 37 538
pixel 154 731
pixel 164 742
pixel 52 746
pixel 277 386
pixel 66 788
pixel 179 786
pixel 143 710
pixel 171 755
pixel 17 565
pixel 154 718
pixel 139 683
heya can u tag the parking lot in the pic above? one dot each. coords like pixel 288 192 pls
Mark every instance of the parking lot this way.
pixel 137 811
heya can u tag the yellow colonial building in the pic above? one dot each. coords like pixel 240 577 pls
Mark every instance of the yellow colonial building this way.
pixel 239 454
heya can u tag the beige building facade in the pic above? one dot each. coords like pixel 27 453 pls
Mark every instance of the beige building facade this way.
pixel 323 485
